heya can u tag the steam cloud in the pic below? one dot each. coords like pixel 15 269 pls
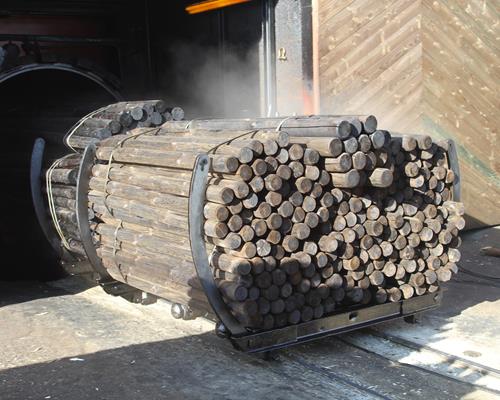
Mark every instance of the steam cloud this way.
pixel 211 82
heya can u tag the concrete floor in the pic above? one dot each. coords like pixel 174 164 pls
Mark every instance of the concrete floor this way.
pixel 64 340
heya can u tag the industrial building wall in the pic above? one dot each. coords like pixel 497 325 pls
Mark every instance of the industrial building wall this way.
pixel 421 67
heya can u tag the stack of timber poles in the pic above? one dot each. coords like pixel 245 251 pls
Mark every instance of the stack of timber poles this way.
pixel 60 189
pixel 318 214
pixel 113 119
pixel 119 118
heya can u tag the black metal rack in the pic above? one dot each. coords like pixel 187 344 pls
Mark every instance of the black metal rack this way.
pixel 228 327
pixel 265 341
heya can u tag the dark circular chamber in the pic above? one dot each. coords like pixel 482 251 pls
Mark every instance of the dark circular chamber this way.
pixel 38 100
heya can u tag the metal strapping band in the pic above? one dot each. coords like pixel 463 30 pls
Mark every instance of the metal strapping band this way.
pixel 280 125
pixel 50 198
pixel 232 139
pixel 110 161
pixel 79 124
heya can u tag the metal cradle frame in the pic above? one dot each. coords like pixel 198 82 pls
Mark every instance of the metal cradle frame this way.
pixel 110 285
pixel 46 225
pixel 241 338
pixel 107 282
pixel 265 341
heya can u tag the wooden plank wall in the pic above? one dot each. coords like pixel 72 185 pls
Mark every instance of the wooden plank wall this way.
pixel 420 66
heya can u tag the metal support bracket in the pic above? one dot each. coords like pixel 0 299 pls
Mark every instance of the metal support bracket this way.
pixel 455 167
pixel 264 341
pixel 199 250
pixel 82 214
pixel 39 204
pixel 335 324
pixel 107 282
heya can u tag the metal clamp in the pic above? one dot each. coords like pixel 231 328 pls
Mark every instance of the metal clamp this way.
pixel 199 251
pixel 82 213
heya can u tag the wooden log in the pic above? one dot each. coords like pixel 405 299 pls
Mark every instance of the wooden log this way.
pixel 216 229
pixel 64 175
pixel 303 185
pixel 281 138
pixel 173 181
pixel 259 226
pixel 296 152
pixel 81 142
pixel 316 126
pixel 150 269
pixel 301 231
pixel 174 203
pixel 239 188
pixel 378 139
pixel 381 177
pixel 248 250
pixel 284 172
pixel 327 147
pixel 359 160
pixel 66 191
pixel 298 215
pixel 244 173
pixel 342 163
pixel 215 211
pixel 179 160
pixel 231 241
pixel 273 182
pixel 348 179
pixel 63 202
pixel 297 168
pixel 163 220
pixel 424 142
pixel 311 157
pixel 228 263
pixel 232 290
pixel 408 143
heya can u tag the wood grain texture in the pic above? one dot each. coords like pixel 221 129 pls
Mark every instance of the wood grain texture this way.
pixel 422 67
pixel 462 65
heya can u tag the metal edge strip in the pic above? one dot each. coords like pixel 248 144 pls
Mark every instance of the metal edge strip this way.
pixel 455 167
pixel 82 213
pixel 48 230
pixel 334 324
pixel 198 248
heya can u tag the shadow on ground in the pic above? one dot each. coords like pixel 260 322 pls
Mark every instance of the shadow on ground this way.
pixel 204 367
pixel 14 292
pixel 435 359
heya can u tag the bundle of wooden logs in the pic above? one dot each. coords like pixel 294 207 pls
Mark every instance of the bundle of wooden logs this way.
pixel 60 189
pixel 113 119
pixel 303 216
pixel 119 118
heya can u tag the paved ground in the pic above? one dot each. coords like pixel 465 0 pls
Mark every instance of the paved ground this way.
pixel 64 340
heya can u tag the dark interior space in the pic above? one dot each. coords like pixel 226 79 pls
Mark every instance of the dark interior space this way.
pixel 40 103
pixel 62 60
